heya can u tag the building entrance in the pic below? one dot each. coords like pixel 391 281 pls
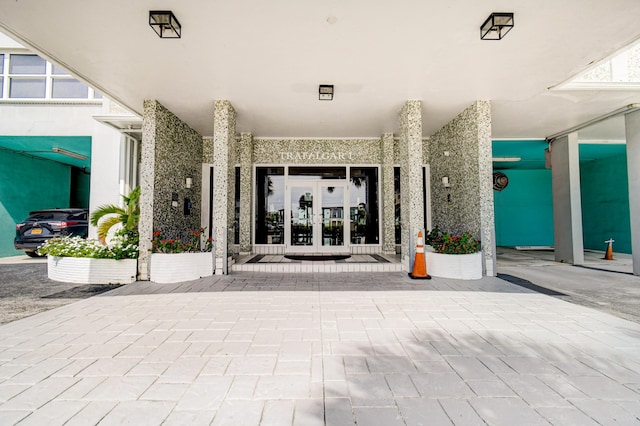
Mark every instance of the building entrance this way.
pixel 315 216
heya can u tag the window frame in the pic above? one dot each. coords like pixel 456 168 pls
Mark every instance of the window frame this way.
pixel 49 77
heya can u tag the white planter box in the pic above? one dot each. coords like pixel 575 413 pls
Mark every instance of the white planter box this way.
pixel 84 270
pixel 458 266
pixel 177 267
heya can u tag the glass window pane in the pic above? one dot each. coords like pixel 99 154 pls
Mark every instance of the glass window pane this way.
pixel 64 88
pixel 236 221
pixel 270 205
pixel 363 205
pixel 27 64
pixel 27 88
pixel 396 197
pixel 310 172
pixel 1 87
pixel 1 63
pixel 97 95
pixel 58 71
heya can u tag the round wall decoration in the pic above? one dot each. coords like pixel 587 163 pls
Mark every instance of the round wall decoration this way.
pixel 500 181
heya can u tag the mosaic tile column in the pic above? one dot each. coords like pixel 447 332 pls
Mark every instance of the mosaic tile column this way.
pixel 246 185
pixel 632 128
pixel 567 204
pixel 461 152
pixel 388 200
pixel 171 153
pixel 485 186
pixel 411 191
pixel 224 128
pixel 147 177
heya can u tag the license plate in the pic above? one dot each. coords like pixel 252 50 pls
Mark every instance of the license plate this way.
pixel 36 231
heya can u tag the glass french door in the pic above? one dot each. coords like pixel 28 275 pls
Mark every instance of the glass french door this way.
pixel 316 216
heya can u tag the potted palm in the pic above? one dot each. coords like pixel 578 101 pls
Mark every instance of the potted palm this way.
pixel 108 216
pixel 76 260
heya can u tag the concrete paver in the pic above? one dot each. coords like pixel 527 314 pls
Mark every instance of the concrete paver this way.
pixel 321 349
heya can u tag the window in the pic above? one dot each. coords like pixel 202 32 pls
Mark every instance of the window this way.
pixel 363 205
pixel 397 207
pixel 69 89
pixel 270 205
pixel 1 75
pixel 27 64
pixel 236 220
pixel 26 76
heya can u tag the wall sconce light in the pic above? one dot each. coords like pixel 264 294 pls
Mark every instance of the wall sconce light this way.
pixel 497 25
pixel 325 92
pixel 165 23
pixel 445 182
pixel 189 182
pixel 69 153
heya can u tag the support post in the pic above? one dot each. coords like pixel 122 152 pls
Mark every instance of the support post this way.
pixel 567 204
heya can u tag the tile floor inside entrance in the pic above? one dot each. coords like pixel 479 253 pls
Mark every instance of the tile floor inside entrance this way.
pixel 315 349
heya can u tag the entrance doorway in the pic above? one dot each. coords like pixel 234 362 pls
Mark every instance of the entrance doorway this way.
pixel 315 216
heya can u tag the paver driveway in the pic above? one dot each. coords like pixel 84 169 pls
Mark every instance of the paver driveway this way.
pixel 376 349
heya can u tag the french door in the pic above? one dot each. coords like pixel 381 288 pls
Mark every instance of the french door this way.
pixel 316 217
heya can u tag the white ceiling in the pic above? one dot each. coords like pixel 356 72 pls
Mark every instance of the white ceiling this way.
pixel 268 57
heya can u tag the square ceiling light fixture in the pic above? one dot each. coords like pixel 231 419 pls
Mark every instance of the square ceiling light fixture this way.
pixel 497 25
pixel 325 92
pixel 165 24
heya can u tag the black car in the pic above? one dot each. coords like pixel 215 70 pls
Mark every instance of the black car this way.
pixel 41 225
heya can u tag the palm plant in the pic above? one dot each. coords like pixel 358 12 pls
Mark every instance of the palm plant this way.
pixel 107 216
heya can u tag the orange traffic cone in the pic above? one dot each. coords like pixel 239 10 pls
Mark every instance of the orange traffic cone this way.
pixel 419 263
pixel 609 253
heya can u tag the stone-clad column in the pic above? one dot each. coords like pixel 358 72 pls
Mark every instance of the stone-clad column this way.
pixel 411 191
pixel 632 125
pixel 567 204
pixel 485 186
pixel 224 129
pixel 147 178
pixel 388 200
pixel 246 183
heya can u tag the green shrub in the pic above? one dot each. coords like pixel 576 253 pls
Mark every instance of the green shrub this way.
pixel 443 242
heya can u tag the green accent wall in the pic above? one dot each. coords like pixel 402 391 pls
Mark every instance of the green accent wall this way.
pixel 605 202
pixel 524 209
pixel 28 184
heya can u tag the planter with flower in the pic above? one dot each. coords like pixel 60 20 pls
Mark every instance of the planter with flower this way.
pixel 76 260
pixel 176 259
pixel 111 260
pixel 453 256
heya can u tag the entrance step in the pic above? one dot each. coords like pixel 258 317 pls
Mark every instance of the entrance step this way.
pixel 354 263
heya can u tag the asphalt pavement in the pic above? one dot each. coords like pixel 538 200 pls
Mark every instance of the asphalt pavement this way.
pixel 25 289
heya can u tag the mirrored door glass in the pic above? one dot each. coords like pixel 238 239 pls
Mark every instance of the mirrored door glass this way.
pixel 332 216
pixel 302 216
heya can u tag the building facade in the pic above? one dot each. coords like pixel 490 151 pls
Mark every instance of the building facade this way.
pixel 316 196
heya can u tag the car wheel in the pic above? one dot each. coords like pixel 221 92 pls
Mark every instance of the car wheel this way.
pixel 33 254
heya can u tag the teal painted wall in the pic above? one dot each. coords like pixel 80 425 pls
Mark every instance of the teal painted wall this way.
pixel 524 209
pixel 605 203
pixel 28 184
